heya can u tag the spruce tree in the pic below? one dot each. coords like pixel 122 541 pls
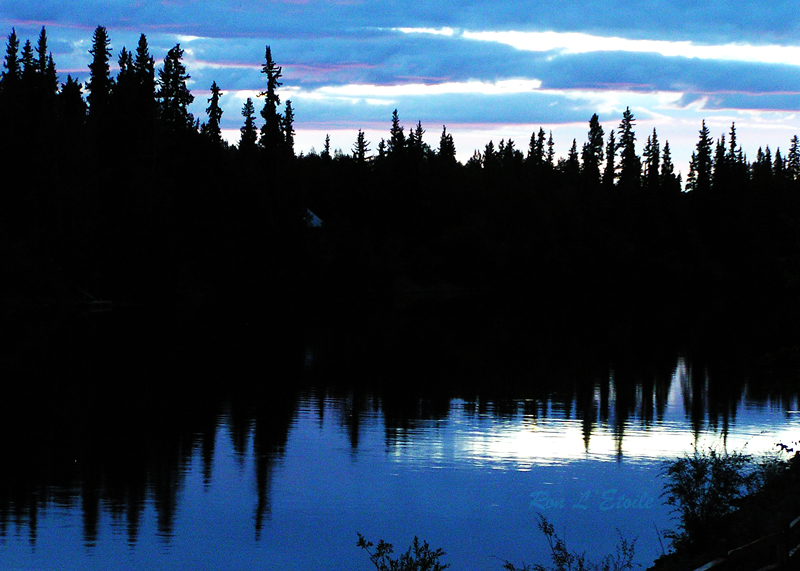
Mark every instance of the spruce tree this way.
pixel 700 166
pixel 211 129
pixel 99 85
pixel 592 153
pixel 652 157
pixel 669 182
pixel 72 107
pixel 571 167
pixel 536 148
pixel 272 137
pixel 12 72
pixel 361 147
pixel 610 171
pixel 249 135
pixel 41 53
pixel 145 74
pixel 447 148
pixel 793 160
pixel 326 149
pixel 397 140
pixel 288 130
pixel 630 166
pixel 29 69
pixel 551 152
pixel 174 97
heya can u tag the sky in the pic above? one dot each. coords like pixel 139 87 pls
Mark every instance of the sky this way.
pixel 488 70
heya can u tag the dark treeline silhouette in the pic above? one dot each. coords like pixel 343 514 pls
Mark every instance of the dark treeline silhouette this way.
pixel 113 190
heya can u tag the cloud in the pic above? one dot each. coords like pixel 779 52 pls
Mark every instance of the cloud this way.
pixel 492 69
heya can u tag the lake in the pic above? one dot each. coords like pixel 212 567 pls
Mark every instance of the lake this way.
pixel 157 464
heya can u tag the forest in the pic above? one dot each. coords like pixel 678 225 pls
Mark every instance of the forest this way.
pixel 114 193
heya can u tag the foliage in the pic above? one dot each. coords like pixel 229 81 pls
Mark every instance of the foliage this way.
pixel 565 560
pixel 704 487
pixel 419 557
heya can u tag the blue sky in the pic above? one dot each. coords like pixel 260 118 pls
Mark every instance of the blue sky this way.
pixel 488 70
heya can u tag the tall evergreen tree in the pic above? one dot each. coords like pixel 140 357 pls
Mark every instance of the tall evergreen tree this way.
pixel 272 138
pixel 211 128
pixel 447 148
pixel 144 71
pixel 29 69
pixel 99 85
pixel 652 157
pixel 669 182
pixel 12 72
pixel 249 134
pixel 361 147
pixel 536 148
pixel 41 53
pixel 550 158
pixel 124 90
pixel 288 129
pixel 592 153
pixel 610 170
pixel 326 149
pixel 173 94
pixel 397 140
pixel 571 167
pixel 700 166
pixel 72 107
pixel 793 160
pixel 762 173
pixel 630 166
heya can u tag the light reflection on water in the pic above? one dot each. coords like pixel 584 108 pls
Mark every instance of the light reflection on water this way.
pixel 470 478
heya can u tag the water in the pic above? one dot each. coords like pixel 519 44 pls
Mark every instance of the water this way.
pixel 111 478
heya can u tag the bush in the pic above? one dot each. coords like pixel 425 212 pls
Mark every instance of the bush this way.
pixel 706 486
pixel 564 560
pixel 419 557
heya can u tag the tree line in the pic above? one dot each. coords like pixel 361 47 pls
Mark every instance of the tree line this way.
pixel 113 188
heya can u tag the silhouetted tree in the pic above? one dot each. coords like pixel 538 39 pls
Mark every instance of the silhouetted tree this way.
pixel 12 71
pixel 418 149
pixel 610 171
pixel 249 135
pixel 762 170
pixel 72 107
pixel 670 183
pixel 490 161
pixel 550 158
pixel 536 149
pixel 570 168
pixel 793 160
pixel 361 147
pixel 211 128
pixel 397 140
pixel 123 95
pixel 41 52
pixel 592 154
pixel 173 94
pixel 145 73
pixel 652 158
pixel 29 70
pixel 48 79
pixel 326 149
pixel 272 138
pixel 99 84
pixel 288 129
pixel 699 179
pixel 779 170
pixel 510 158
pixel 447 147
pixel 630 166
